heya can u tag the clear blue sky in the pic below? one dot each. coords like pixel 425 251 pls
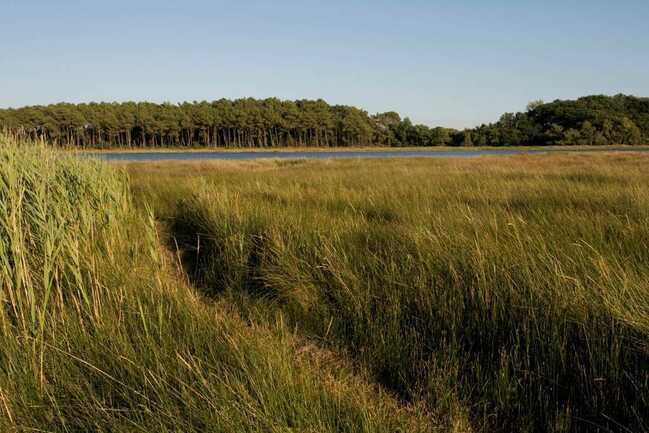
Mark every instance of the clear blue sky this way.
pixel 453 63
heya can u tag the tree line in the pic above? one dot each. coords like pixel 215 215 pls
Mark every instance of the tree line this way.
pixel 591 120
pixel 224 123
pixel 273 123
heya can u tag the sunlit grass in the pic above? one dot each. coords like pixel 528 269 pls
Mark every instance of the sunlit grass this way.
pixel 516 289
pixel 485 294
pixel 99 332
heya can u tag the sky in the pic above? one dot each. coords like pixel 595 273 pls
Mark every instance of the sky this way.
pixel 451 63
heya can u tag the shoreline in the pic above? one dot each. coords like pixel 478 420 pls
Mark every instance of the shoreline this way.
pixel 217 150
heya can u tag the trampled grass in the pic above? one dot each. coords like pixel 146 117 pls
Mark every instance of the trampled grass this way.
pixel 485 294
pixel 100 333
pixel 514 290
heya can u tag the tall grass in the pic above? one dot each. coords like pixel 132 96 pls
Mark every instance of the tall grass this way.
pixel 516 289
pixel 100 333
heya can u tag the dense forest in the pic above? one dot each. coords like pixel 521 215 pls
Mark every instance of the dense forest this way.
pixel 239 123
pixel 591 120
pixel 272 122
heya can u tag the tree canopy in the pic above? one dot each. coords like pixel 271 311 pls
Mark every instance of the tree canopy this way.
pixel 239 123
pixel 592 120
pixel 273 122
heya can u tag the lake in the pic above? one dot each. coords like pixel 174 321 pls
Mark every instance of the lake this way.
pixel 246 156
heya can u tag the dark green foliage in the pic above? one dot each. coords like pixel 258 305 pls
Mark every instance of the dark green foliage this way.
pixel 399 132
pixel 592 120
pixel 240 123
pixel 223 123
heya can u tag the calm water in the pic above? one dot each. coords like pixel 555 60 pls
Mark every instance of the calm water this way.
pixel 242 156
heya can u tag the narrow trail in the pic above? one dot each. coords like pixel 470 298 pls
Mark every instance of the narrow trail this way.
pixel 337 371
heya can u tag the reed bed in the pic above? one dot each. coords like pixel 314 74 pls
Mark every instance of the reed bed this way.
pixel 99 332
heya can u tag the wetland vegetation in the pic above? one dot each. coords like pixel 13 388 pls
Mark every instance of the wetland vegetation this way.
pixel 488 294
